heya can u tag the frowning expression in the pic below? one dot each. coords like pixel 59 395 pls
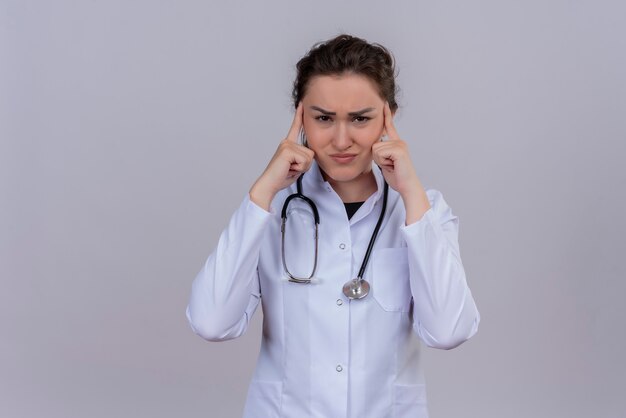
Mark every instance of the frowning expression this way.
pixel 343 118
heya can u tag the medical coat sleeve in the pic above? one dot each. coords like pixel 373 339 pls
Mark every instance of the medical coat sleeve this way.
pixel 225 293
pixel 444 311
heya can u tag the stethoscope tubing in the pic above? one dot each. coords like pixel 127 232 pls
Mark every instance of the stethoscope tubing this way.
pixel 283 227
pixel 299 195
pixel 370 246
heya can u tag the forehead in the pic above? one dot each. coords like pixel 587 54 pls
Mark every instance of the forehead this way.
pixel 342 92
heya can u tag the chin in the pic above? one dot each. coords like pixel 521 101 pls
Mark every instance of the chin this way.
pixel 342 173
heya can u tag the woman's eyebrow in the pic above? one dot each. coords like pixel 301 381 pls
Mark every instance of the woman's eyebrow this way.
pixel 329 113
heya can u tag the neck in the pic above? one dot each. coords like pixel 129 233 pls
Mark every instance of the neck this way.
pixel 356 190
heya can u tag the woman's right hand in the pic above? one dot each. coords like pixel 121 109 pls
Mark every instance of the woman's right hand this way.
pixel 288 163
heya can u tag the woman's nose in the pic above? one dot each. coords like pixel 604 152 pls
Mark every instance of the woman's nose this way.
pixel 342 138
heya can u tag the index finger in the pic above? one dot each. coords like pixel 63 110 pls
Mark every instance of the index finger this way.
pixel 389 126
pixel 296 125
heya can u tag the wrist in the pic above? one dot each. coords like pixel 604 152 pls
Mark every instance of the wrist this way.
pixel 261 195
pixel 416 204
pixel 413 190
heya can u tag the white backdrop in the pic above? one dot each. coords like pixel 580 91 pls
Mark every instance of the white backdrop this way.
pixel 130 131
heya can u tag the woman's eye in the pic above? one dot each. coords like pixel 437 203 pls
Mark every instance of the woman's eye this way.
pixel 357 119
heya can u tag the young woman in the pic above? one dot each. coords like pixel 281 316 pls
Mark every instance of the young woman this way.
pixel 344 308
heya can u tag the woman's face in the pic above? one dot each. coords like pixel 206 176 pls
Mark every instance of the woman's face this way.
pixel 343 118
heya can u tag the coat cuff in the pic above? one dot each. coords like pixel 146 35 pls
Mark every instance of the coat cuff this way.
pixel 255 210
pixel 427 218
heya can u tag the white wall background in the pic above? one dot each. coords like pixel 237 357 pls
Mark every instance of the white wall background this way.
pixel 130 131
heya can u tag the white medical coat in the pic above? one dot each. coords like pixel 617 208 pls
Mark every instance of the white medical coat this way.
pixel 323 355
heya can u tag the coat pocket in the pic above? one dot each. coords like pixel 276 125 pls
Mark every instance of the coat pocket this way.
pixel 409 401
pixel 263 400
pixel 390 279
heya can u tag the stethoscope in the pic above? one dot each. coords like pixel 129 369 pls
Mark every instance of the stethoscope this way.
pixel 353 289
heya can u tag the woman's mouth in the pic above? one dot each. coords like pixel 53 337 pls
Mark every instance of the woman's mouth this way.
pixel 343 158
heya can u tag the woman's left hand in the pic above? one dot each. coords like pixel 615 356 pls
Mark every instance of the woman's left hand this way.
pixel 392 156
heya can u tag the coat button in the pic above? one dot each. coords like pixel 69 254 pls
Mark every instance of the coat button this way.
pixel 339 368
pixel 342 246
pixel 339 302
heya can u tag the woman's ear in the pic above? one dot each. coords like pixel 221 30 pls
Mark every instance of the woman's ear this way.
pixel 303 140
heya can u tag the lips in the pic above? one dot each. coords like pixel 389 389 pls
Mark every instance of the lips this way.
pixel 343 158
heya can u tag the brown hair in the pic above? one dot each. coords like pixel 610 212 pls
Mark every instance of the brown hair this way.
pixel 348 54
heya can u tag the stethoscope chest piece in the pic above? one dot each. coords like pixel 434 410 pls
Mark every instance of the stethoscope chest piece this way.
pixel 356 289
